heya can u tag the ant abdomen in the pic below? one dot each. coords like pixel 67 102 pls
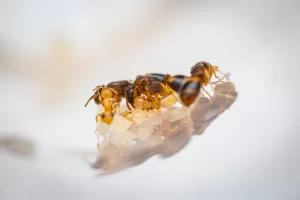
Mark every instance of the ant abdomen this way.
pixel 190 91
pixel 176 82
pixel 107 117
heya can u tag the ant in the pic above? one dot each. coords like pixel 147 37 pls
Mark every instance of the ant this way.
pixel 109 97
pixel 148 90
pixel 189 88
pixel 143 94
pixel 201 75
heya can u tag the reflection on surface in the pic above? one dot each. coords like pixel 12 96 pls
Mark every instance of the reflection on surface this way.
pixel 114 159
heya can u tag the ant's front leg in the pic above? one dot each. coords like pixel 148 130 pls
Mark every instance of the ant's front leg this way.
pixel 116 104
pixel 127 102
pixel 221 80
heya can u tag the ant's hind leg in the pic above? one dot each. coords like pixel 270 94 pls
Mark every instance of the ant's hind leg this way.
pixel 206 92
pixel 96 132
pixel 127 103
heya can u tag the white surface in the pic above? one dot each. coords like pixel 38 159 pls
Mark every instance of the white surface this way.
pixel 249 152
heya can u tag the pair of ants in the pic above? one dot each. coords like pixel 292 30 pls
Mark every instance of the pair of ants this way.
pixel 147 91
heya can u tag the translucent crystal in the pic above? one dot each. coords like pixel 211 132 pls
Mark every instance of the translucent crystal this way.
pixel 224 87
pixel 122 139
pixel 154 117
pixel 168 101
pixel 176 114
pixel 164 113
pixel 166 125
pixel 225 95
pixel 102 128
pixel 139 116
pixel 144 133
pixel 120 124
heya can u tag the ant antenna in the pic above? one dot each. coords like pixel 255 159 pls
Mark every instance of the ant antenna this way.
pixel 98 87
pixel 92 97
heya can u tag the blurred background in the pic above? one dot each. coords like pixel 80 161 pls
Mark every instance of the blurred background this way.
pixel 53 53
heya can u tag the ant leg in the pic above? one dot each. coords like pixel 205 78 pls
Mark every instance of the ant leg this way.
pixel 125 113
pixel 171 92
pixel 98 142
pixel 100 98
pixel 114 91
pixel 176 98
pixel 225 75
pixel 127 103
pixel 167 91
pixel 96 132
pixel 117 109
pixel 221 80
pixel 206 92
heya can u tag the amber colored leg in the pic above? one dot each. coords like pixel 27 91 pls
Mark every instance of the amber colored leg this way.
pixel 114 91
pixel 221 80
pixel 96 132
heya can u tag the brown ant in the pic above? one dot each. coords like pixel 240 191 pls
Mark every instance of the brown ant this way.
pixel 150 89
pixel 201 75
pixel 188 88
pixel 142 96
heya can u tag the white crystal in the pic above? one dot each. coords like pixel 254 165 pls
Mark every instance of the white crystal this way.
pixel 120 124
pixel 154 118
pixel 102 128
pixel 144 133
pixel 164 113
pixel 139 116
pixel 168 101
pixel 122 139
pixel 176 114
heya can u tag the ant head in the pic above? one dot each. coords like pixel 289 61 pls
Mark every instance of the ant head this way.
pixel 199 67
pixel 166 78
pixel 106 93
